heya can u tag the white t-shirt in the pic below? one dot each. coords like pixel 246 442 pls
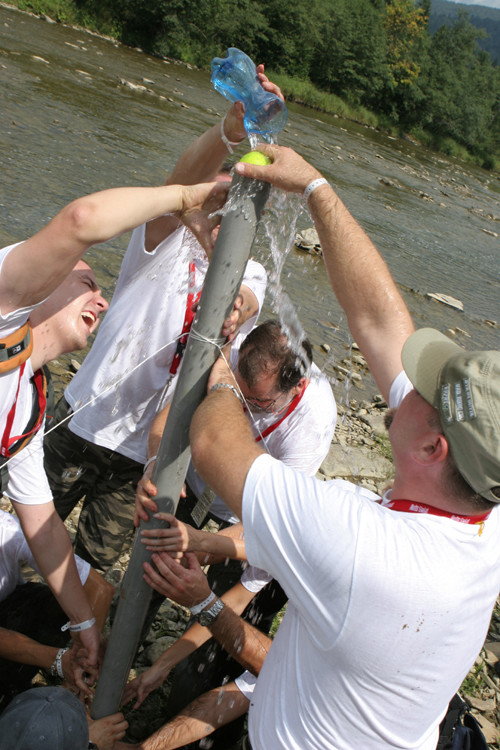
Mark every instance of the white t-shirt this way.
pixel 301 441
pixel 387 612
pixel 27 480
pixel 14 549
pixel 246 684
pixel 128 364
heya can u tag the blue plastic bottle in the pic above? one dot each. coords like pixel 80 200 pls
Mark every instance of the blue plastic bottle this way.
pixel 235 78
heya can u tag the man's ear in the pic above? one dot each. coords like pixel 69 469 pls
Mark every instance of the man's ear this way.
pixel 434 448
pixel 300 385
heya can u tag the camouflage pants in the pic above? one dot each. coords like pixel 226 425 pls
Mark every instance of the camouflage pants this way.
pixel 105 479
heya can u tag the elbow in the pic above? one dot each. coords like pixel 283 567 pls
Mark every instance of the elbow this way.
pixel 80 217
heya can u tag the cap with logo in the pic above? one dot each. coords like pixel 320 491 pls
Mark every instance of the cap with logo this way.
pixel 464 387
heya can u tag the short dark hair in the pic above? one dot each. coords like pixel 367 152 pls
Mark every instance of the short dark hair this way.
pixel 267 349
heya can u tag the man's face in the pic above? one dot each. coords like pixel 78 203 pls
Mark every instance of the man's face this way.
pixel 74 308
pixel 265 395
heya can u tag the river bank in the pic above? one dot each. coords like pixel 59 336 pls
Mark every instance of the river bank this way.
pixel 295 89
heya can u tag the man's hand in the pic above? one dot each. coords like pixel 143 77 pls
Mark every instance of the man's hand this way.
pixel 86 657
pixel 106 731
pixel 234 129
pixel 144 503
pixel 143 685
pixel 288 170
pixel 186 585
pixel 175 539
pixel 200 207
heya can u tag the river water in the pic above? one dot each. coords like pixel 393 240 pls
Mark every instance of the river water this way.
pixel 80 113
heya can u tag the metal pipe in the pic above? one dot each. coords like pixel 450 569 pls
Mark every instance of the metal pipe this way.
pixel 246 202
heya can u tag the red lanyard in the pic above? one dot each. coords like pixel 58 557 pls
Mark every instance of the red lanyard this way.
pixel 7 440
pixel 293 404
pixel 408 506
pixel 192 300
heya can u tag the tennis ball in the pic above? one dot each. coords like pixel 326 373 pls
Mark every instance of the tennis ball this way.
pixel 256 157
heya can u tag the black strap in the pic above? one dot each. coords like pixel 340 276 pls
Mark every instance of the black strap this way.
pixel 460 730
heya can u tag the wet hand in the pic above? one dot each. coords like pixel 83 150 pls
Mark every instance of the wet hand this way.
pixel 266 84
pixel 200 207
pixel 288 170
pixel 186 585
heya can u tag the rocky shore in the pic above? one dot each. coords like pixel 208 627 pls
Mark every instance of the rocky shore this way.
pixel 360 452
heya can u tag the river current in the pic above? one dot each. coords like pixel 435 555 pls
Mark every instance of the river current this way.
pixel 80 113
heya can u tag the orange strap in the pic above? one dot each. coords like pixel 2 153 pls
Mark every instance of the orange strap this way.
pixel 16 348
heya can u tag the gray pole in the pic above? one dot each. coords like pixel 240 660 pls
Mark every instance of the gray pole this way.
pixel 232 249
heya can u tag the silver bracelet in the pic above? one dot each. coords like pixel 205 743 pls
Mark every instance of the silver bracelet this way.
pixel 227 143
pixel 196 608
pixel 229 388
pixel 79 626
pixel 56 668
pixel 148 463
pixel 313 185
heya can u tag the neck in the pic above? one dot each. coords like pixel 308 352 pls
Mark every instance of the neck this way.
pixel 45 344
pixel 428 493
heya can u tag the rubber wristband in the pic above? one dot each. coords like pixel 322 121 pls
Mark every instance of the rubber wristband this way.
pixel 148 463
pixel 313 185
pixel 79 626
pixel 196 608
pixel 229 387
pixel 227 143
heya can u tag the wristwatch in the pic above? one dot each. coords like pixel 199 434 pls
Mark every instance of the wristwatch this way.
pixel 207 616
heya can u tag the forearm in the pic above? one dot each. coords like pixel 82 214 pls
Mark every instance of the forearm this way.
pixel 213 548
pixel 199 719
pixel 19 648
pixel 241 640
pixel 376 313
pixel 222 461
pixel 51 547
pixel 202 160
pixel 156 431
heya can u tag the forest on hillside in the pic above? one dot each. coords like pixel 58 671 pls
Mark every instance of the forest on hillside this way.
pixel 374 54
pixel 482 17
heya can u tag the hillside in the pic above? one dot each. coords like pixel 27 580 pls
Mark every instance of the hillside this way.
pixel 444 12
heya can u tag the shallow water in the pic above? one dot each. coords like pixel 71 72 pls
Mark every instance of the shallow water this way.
pixel 80 113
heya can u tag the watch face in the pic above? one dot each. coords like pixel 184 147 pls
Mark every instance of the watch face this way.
pixel 207 617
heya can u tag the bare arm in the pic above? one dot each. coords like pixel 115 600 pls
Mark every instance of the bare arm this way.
pixel 51 548
pixel 37 266
pixel 189 586
pixel 203 159
pixel 199 719
pixel 195 636
pixel 377 315
pixel 99 594
pixel 208 547
pixel 220 458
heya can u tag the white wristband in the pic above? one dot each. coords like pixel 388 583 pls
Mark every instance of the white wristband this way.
pixel 196 609
pixel 148 463
pixel 313 185
pixel 79 626
pixel 227 143
pixel 229 388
